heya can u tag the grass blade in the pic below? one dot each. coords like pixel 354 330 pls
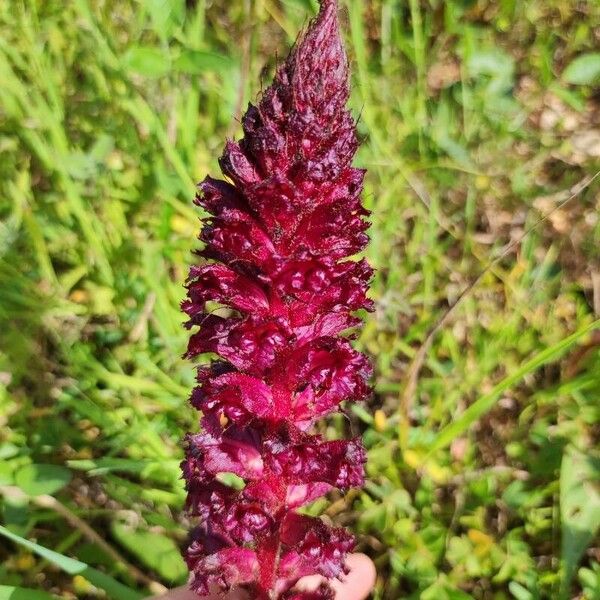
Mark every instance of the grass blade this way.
pixel 9 592
pixel 486 402
pixel 113 588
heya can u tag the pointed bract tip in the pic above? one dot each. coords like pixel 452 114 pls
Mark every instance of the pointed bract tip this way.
pixel 328 8
pixel 319 57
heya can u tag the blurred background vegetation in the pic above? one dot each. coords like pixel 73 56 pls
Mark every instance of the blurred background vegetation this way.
pixel 480 118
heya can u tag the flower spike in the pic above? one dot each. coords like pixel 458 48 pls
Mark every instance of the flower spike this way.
pixel 277 251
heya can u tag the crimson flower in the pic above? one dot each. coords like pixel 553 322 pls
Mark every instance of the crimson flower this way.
pixel 275 300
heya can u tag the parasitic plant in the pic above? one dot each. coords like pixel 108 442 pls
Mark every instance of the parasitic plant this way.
pixel 277 249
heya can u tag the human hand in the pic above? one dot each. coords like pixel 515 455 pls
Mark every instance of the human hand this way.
pixel 357 585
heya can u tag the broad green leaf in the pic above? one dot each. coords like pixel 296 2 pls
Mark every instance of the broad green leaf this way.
pixel 520 592
pixel 38 479
pixel 6 473
pixel 155 550
pixel 8 450
pixel 495 64
pixel 483 404
pixel 491 62
pixel 147 61
pixel 579 509
pixel 9 592
pixel 195 62
pixel 584 70
pixel 114 589
pixel 590 580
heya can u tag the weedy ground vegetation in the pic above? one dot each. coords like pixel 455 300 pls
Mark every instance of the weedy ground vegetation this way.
pixel 479 120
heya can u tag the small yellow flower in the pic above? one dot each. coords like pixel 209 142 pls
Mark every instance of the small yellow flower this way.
pixel 82 586
pixel 380 420
pixel 25 562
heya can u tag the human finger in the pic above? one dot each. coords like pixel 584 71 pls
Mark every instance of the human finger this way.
pixel 357 585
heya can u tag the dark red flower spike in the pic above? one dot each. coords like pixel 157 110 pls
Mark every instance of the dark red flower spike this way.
pixel 277 250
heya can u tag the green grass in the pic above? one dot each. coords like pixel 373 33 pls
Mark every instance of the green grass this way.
pixel 478 120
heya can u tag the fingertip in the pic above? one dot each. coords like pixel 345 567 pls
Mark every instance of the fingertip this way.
pixel 363 564
pixel 359 582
